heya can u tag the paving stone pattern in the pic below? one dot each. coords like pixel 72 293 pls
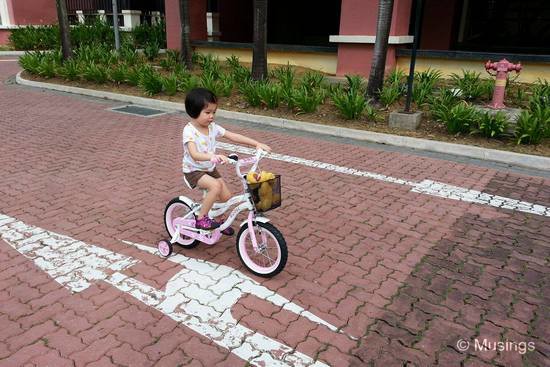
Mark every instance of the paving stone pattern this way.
pixel 407 275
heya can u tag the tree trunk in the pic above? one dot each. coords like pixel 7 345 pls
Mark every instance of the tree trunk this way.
pixel 259 52
pixel 64 29
pixel 186 50
pixel 376 77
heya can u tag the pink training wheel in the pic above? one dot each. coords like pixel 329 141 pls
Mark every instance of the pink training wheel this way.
pixel 165 248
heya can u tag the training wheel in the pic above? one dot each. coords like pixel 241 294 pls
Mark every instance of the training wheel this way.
pixel 165 248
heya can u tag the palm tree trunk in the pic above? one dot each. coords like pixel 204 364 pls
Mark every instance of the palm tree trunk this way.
pixel 259 52
pixel 64 29
pixel 376 77
pixel 186 50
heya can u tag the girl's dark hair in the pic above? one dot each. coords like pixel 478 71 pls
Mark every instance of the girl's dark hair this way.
pixel 197 99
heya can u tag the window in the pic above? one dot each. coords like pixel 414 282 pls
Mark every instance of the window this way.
pixel 517 26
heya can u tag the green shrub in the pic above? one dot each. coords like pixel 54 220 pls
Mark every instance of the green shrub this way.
pixel 151 50
pixel 133 75
pixel 95 73
pixel 119 73
pixel 371 113
pixel 210 65
pixel 393 88
pixel 270 94
pixel 491 125
pixel 170 84
pixel 424 84
pixel 250 92
pixel 31 61
pixel 312 80
pixel 239 73
pixel 35 37
pixel 150 81
pixel 469 84
pixel 96 54
pixel 129 55
pixel 531 127
pixel 307 99
pixel 92 33
pixel 355 84
pixel 541 94
pixel 460 118
pixel 441 103
pixel 221 85
pixel 285 75
pixel 146 33
pixel 350 101
pixel 350 104
pixel 70 70
pixel 186 83
pixel 171 61
pixel 47 68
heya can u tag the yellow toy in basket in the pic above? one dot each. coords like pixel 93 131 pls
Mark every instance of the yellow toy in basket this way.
pixel 266 191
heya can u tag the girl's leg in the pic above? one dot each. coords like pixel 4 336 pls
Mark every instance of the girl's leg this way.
pixel 214 188
pixel 225 193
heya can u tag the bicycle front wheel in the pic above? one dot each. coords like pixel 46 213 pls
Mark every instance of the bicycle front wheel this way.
pixel 269 258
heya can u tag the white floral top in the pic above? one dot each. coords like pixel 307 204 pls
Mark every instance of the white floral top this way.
pixel 204 144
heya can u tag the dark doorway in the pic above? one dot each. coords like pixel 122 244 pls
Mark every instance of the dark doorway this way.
pixel 289 22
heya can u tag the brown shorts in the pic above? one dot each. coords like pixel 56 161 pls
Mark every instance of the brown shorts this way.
pixel 193 177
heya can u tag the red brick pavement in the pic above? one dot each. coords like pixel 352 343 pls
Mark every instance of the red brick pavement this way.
pixel 407 274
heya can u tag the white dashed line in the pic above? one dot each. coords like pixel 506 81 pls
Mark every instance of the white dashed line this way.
pixel 427 187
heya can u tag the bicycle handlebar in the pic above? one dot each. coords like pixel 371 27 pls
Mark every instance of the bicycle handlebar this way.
pixel 254 160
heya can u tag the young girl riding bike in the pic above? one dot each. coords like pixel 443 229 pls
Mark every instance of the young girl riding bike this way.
pixel 200 158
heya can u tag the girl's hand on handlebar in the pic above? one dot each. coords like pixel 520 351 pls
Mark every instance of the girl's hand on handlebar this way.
pixel 265 147
pixel 219 158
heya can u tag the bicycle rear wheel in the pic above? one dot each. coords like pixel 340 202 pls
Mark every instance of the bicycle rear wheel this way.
pixel 271 255
pixel 178 208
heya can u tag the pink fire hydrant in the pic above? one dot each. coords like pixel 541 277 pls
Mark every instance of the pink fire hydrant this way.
pixel 502 68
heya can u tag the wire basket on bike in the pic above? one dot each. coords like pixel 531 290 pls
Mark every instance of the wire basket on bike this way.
pixel 266 194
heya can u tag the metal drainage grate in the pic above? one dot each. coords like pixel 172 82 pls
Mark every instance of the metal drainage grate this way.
pixel 138 110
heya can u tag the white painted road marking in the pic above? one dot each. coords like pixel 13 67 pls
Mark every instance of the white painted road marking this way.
pixel 427 187
pixel 10 60
pixel 199 297
pixel 72 263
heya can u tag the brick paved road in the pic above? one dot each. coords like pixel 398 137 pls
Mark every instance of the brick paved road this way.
pixel 407 274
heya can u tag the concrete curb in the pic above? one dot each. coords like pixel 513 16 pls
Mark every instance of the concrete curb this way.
pixel 12 53
pixel 523 160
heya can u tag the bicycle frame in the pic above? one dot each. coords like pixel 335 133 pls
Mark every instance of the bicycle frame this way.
pixel 185 226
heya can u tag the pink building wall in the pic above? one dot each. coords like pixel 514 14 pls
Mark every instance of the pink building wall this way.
pixel 197 10
pixel 4 36
pixel 359 17
pixel 29 12
pixel 34 12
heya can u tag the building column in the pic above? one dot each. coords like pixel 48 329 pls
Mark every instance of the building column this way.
pixel 358 34
pixel 80 16
pixel 197 10
pixel 132 18
pixel 102 16
pixel 4 13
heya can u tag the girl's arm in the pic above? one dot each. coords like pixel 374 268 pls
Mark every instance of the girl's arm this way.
pixel 241 139
pixel 197 156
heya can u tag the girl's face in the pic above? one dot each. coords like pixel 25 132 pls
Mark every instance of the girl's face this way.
pixel 207 115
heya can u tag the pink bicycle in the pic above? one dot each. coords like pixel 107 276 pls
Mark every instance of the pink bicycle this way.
pixel 260 245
